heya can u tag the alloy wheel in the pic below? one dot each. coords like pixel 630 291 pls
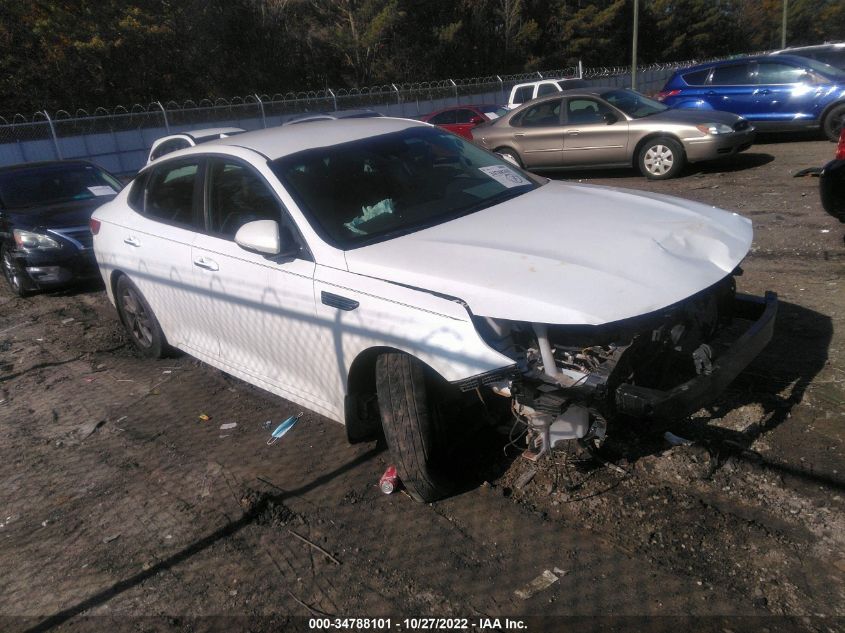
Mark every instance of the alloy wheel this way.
pixel 11 272
pixel 137 319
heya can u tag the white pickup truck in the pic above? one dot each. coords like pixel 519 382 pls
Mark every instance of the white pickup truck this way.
pixel 521 93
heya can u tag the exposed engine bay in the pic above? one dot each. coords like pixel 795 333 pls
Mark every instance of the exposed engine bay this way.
pixel 566 381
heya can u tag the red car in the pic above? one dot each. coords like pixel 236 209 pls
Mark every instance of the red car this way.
pixel 461 119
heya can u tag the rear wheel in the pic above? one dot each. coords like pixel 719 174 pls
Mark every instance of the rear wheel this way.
pixel 833 122
pixel 139 320
pixel 661 158
pixel 409 414
pixel 12 273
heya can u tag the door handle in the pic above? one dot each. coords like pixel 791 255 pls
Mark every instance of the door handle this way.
pixel 765 91
pixel 519 135
pixel 132 241
pixel 573 132
pixel 208 264
pixel 336 301
pixel 710 93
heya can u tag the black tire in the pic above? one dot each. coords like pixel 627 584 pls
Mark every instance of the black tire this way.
pixel 138 319
pixel 661 158
pixel 410 428
pixel 13 274
pixel 833 122
pixel 506 151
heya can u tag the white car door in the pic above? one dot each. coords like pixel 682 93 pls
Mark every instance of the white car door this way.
pixel 155 246
pixel 261 311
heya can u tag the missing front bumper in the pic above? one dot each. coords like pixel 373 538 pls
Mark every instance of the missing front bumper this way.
pixel 690 396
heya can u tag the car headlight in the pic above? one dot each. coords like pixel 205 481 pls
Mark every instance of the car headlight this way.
pixel 714 128
pixel 34 241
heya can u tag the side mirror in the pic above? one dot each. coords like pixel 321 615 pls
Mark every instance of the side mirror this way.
pixel 261 236
pixel 476 120
pixel 610 118
pixel 267 238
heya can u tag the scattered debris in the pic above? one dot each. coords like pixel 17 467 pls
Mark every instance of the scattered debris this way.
pixel 540 583
pixel 525 478
pixel 204 417
pixel 809 171
pixel 676 440
pixel 283 428
pixel 227 426
pixel 87 429
pixel 67 320
pixel 89 379
pixel 312 610
pixel 825 230
pixel 111 538
pixel 167 371
pixel 389 481
pixel 315 546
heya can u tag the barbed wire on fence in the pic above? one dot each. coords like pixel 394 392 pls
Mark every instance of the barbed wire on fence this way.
pixel 121 135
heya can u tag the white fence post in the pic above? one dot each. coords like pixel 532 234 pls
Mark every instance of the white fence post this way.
pixel 334 98
pixel 53 133
pixel 164 115
pixel 261 105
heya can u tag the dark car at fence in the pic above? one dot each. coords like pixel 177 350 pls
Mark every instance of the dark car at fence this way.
pixel 45 209
pixel 832 182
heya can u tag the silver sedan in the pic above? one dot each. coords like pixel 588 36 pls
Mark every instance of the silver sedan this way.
pixel 612 127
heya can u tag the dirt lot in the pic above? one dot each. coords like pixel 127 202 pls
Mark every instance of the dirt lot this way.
pixel 117 501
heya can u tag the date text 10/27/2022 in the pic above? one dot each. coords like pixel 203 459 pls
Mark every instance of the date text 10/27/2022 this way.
pixel 417 624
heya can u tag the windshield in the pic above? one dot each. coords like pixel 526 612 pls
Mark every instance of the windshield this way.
pixel 633 103
pixel 54 183
pixel 372 189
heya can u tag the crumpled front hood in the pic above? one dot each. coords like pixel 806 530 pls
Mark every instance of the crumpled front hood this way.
pixel 567 254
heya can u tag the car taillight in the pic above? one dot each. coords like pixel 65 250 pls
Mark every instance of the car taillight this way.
pixel 840 149
pixel 667 93
pixel 94 225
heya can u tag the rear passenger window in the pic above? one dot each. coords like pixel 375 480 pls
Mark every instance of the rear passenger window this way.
pixel 237 195
pixel 170 193
pixel 546 89
pixel 736 75
pixel 464 116
pixel 542 115
pixel 526 93
pixel 697 78
pixel 444 118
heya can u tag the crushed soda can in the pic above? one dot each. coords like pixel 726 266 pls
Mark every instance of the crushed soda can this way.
pixel 389 481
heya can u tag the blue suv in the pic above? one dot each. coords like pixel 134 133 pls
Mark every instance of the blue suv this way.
pixel 785 92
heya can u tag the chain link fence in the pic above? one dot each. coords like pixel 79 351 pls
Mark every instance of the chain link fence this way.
pixel 119 138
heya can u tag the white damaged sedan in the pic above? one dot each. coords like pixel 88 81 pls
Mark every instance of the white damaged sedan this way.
pixel 379 271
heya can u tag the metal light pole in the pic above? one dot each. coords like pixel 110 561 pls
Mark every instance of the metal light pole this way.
pixel 783 27
pixel 634 45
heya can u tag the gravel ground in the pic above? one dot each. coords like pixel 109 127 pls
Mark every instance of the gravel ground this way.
pixel 119 502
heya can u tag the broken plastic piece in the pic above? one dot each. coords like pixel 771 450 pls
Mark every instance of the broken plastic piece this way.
pixel 541 582
pixel 676 440
pixel 283 428
pixel 228 425
pixel 204 417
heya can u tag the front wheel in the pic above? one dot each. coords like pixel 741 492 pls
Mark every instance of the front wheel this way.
pixel 833 122
pixel 661 158
pixel 409 414
pixel 12 273
pixel 139 320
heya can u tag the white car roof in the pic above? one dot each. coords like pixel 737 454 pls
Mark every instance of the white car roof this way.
pixel 284 140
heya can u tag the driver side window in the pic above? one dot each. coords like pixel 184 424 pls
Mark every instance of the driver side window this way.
pixel 237 195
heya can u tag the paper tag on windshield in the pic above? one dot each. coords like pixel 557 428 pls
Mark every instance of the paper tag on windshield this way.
pixel 505 176
pixel 102 190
